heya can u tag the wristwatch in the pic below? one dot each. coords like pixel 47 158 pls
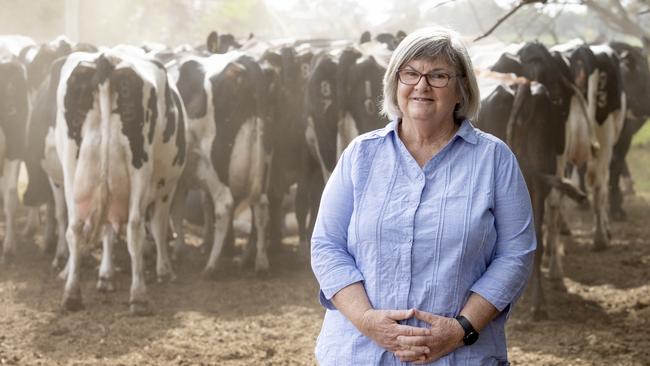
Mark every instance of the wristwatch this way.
pixel 471 335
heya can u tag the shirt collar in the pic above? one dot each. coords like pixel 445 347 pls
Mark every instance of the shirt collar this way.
pixel 466 131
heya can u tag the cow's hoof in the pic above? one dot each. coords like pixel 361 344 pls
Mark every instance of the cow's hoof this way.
pixel 58 262
pixel 166 277
pixel 599 247
pixel 263 274
pixel 619 215
pixel 72 303
pixel 539 315
pixel 140 308
pixel 565 231
pixel 210 273
pixel 554 276
pixel 177 255
pixel 558 284
pixel 105 285
pixel 239 261
pixel 600 244
pixel 49 246
pixel 262 264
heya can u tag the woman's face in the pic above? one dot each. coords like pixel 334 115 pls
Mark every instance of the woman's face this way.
pixel 423 102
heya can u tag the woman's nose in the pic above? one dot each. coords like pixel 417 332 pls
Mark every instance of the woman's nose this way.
pixel 422 83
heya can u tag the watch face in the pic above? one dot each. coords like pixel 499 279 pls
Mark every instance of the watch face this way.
pixel 470 338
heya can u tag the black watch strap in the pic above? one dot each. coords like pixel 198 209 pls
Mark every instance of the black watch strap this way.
pixel 471 335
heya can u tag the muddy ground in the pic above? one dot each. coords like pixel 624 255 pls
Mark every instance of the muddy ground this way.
pixel 599 315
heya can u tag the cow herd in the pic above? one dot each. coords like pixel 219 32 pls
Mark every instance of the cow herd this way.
pixel 115 139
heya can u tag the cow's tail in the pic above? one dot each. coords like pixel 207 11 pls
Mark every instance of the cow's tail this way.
pixel 584 108
pixel 522 93
pixel 101 196
pixel 564 186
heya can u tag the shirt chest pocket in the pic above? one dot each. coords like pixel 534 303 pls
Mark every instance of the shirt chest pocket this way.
pixel 466 219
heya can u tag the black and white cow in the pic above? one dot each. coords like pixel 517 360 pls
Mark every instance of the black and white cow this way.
pixel 636 82
pixel 14 114
pixel 390 40
pixel 221 43
pixel 225 97
pixel 39 61
pixel 287 131
pixel 533 118
pixel 343 96
pixel 120 142
pixel 596 75
pixel 516 113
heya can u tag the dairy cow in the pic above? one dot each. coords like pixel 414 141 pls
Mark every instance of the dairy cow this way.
pixel 287 131
pixel 14 113
pixel 39 60
pixel 225 97
pixel 120 139
pixel 344 91
pixel 596 77
pixel 636 83
pixel 528 117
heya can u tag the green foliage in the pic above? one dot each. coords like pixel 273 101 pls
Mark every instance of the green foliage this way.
pixel 639 163
pixel 642 138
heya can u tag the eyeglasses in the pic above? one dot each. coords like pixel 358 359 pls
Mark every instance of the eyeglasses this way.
pixel 435 79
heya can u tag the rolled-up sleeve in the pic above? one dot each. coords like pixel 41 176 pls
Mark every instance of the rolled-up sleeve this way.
pixel 331 262
pixel 507 274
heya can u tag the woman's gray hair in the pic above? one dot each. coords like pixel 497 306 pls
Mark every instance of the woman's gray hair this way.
pixel 433 43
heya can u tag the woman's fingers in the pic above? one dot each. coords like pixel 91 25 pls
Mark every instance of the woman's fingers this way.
pixel 416 349
pixel 408 330
pixel 413 340
pixel 410 356
pixel 424 316
pixel 399 314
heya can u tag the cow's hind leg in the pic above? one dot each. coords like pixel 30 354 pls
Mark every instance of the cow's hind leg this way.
pixel 135 236
pixel 60 210
pixel 159 227
pixel 10 196
pixel 208 218
pixel 49 233
pixel 223 212
pixel 105 283
pixel 177 217
pixel 538 303
pixel 261 217
pixel 72 290
pixel 600 200
pixel 554 243
pixel 33 221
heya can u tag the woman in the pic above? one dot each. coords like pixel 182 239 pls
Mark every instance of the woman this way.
pixel 424 238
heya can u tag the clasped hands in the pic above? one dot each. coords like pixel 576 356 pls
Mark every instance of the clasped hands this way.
pixel 408 343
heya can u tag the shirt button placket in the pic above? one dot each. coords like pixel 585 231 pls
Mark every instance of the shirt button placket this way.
pixel 408 238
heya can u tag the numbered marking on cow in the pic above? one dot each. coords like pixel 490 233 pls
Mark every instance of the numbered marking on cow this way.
pixel 326 92
pixel 304 70
pixel 602 90
pixel 369 103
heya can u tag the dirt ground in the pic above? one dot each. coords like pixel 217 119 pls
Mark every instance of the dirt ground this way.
pixel 600 316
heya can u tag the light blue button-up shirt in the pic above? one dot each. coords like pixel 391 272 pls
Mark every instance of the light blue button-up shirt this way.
pixel 422 238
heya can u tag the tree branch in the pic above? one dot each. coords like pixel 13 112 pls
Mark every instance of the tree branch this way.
pixel 503 18
pixel 442 3
pixel 622 22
